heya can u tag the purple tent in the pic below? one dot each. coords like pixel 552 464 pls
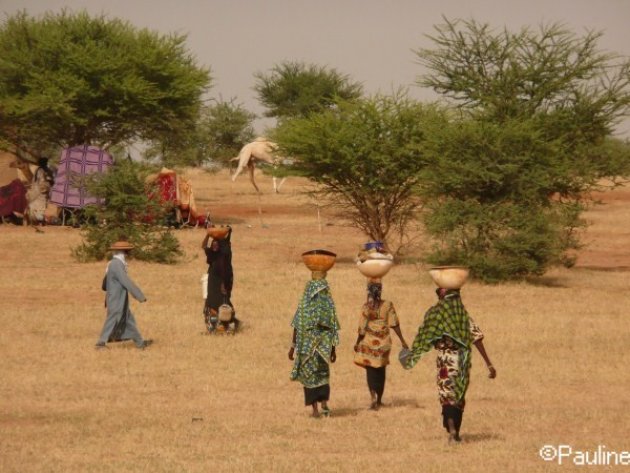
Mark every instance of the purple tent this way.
pixel 75 163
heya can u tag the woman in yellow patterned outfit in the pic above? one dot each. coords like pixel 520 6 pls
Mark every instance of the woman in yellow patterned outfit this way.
pixel 374 341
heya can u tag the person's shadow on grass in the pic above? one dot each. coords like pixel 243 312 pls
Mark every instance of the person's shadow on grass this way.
pixel 394 403
pixel 480 437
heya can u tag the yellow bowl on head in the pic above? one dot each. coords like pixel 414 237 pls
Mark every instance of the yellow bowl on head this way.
pixel 449 277
pixel 319 260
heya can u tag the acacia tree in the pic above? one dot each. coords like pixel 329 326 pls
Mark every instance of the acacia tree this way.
pixel 221 130
pixel 366 157
pixel 131 210
pixel 72 79
pixel 511 175
pixel 224 127
pixel 295 89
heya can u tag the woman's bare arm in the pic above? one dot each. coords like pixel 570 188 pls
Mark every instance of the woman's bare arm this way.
pixel 400 335
pixel 292 349
pixel 484 355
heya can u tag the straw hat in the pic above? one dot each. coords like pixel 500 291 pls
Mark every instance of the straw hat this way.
pixel 121 245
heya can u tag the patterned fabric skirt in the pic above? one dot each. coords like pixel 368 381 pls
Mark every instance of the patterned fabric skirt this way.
pixel 373 351
pixel 311 370
pixel 449 374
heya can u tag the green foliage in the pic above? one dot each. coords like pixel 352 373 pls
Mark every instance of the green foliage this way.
pixel 493 201
pixel 502 241
pixel 223 127
pixel 295 89
pixel 611 160
pixel 512 173
pixel 73 79
pixel 551 72
pixel 367 156
pixel 131 210
pixel 220 132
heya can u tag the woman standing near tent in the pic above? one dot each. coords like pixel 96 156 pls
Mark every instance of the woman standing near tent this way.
pixel 374 341
pixel 37 196
pixel 220 279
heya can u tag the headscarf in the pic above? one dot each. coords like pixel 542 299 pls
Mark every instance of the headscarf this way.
pixel 42 164
pixel 374 290
pixel 315 321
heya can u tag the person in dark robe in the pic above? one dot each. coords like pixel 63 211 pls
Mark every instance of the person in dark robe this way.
pixel 120 324
pixel 220 283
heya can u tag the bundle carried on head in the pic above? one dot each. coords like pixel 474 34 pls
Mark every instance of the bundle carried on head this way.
pixel 373 261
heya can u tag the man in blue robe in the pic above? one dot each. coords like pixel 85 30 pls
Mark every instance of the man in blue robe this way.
pixel 120 323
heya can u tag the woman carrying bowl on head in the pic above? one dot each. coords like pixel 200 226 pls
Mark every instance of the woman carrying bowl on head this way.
pixel 315 334
pixel 220 279
pixel 374 341
pixel 448 328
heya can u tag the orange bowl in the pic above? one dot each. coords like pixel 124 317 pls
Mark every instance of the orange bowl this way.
pixel 449 277
pixel 218 233
pixel 319 260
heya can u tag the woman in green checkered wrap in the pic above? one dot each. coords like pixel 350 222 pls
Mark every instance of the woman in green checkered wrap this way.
pixel 315 335
pixel 448 328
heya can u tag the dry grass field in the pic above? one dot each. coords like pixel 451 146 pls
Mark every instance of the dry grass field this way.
pixel 197 403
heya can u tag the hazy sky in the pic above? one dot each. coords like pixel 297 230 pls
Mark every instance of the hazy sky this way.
pixel 369 40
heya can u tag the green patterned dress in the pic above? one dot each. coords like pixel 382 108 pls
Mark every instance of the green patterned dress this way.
pixel 448 328
pixel 316 326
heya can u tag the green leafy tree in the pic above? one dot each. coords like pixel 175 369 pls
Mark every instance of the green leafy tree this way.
pixel 223 127
pixel 72 79
pixel 296 89
pixel 512 172
pixel 130 209
pixel 488 203
pixel 366 157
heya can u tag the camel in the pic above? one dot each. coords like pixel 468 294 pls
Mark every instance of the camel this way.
pixel 259 150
